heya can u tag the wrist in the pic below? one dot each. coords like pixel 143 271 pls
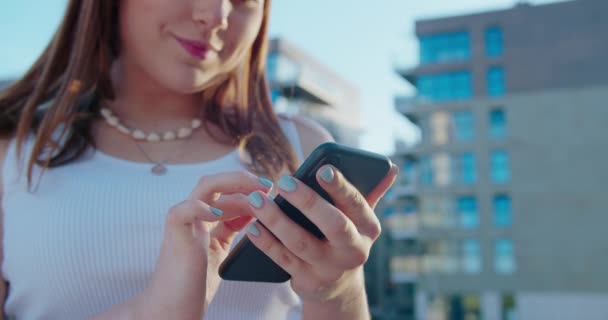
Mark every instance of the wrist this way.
pixel 349 306
pixel 349 301
pixel 139 308
pixel 344 300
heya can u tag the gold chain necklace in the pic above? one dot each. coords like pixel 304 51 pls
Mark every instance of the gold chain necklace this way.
pixel 160 167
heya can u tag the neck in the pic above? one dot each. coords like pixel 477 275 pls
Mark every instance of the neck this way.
pixel 148 105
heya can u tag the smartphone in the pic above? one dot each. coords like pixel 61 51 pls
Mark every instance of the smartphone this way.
pixel 363 169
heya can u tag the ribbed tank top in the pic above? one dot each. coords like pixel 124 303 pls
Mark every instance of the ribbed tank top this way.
pixel 88 237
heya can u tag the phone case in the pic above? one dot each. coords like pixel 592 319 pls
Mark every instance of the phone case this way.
pixel 363 169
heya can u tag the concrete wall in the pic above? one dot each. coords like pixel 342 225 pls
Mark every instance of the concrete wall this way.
pixel 559 168
pixel 535 306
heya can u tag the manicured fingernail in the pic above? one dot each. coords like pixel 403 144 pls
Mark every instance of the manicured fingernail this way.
pixel 266 182
pixel 255 199
pixel 287 183
pixel 216 211
pixel 327 174
pixel 253 230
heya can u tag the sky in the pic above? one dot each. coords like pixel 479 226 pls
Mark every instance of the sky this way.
pixel 361 40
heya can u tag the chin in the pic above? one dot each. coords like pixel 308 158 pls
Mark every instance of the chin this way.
pixel 188 81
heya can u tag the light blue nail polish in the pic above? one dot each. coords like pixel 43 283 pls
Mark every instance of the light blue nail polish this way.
pixel 253 230
pixel 216 211
pixel 327 174
pixel 287 183
pixel 266 182
pixel 255 199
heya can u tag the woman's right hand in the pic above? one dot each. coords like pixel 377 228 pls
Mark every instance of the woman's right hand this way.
pixel 197 237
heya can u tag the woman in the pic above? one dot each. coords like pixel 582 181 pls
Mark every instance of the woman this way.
pixel 128 155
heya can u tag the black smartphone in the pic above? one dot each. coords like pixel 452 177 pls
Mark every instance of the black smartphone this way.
pixel 363 169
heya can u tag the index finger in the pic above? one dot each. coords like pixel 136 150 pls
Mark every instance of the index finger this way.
pixel 210 187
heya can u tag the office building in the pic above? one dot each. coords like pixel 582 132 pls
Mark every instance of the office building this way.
pixel 506 201
pixel 302 85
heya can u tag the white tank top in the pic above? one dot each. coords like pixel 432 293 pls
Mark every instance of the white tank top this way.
pixel 89 236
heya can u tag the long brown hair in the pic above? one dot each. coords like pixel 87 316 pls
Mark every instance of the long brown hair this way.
pixel 57 97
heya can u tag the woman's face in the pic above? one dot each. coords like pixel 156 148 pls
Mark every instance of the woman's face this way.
pixel 185 44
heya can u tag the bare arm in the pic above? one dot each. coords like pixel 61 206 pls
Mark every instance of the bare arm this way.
pixel 352 307
pixel 3 284
pixel 124 311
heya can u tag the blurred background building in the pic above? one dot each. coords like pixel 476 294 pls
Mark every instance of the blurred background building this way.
pixel 4 83
pixel 500 210
pixel 302 85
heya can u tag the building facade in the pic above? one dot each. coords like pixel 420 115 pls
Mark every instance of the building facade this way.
pixel 4 83
pixel 501 212
pixel 302 85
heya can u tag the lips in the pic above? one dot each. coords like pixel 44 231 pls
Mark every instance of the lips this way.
pixel 196 49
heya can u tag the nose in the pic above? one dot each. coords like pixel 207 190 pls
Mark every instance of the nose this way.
pixel 213 14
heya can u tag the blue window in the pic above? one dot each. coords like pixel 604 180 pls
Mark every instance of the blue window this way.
pixel 445 86
pixel 388 211
pixel 498 124
pixel 389 193
pixel 271 66
pixel 282 69
pixel 464 129
pixel 499 163
pixel 274 95
pixel 425 86
pixel 494 41
pixel 468 168
pixel 504 259
pixel 461 85
pixel 409 208
pixel 409 173
pixel 445 47
pixel 467 212
pixel 426 170
pixel 471 256
pixel 496 81
pixel 502 210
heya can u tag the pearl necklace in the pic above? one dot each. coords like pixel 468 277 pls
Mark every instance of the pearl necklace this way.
pixel 159 167
pixel 180 133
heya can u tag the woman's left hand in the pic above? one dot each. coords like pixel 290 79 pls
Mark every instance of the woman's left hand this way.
pixel 322 270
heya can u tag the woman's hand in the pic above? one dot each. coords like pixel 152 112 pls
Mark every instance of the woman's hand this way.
pixel 198 235
pixel 327 271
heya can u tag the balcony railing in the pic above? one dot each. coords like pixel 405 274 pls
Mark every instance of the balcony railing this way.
pixel 405 190
pixel 402 226
pixel 403 277
pixel 404 269
pixel 405 104
pixel 408 104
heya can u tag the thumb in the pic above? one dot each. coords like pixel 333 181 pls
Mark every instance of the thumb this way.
pixel 184 215
pixel 238 215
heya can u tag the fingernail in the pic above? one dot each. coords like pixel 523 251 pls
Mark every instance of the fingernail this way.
pixel 327 174
pixel 255 199
pixel 253 230
pixel 287 183
pixel 266 182
pixel 216 211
